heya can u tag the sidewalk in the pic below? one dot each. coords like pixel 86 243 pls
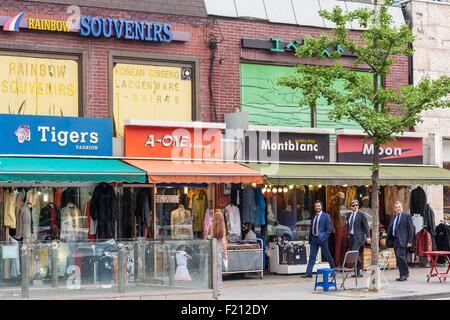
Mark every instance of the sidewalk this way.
pixel 293 287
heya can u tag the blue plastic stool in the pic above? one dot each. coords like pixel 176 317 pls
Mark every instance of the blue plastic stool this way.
pixel 325 284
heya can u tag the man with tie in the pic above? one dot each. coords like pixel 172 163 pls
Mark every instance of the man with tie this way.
pixel 319 232
pixel 400 236
pixel 358 231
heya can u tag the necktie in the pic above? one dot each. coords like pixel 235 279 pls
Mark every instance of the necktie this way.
pixel 315 224
pixel 352 218
pixel 396 222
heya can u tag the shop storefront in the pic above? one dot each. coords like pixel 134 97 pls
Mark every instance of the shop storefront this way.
pixel 295 178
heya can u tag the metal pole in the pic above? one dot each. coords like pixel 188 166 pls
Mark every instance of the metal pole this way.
pixel 25 263
pixel 121 271
pixel 164 258
pixel 214 271
pixel 54 264
pixel 171 268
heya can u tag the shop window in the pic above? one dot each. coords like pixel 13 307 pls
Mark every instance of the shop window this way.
pixel 39 86
pixel 270 104
pixel 182 212
pixel 151 92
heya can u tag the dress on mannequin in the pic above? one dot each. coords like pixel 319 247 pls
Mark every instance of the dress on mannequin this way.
pixel 341 230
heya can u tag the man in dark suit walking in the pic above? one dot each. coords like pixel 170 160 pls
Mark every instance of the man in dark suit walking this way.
pixel 319 232
pixel 400 236
pixel 358 232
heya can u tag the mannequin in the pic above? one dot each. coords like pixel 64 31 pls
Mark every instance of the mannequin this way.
pixel 367 211
pixel 179 219
pixel 341 230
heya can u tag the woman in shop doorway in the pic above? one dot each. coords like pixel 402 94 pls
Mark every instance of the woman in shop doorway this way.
pixel 218 231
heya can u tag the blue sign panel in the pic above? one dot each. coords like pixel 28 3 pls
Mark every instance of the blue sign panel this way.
pixel 123 28
pixel 55 135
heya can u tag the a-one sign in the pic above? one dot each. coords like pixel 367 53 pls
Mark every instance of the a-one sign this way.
pixel 275 146
pixel 353 149
pixel 172 143
pixel 39 135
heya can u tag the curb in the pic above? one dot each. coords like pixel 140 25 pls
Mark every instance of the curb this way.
pixel 415 296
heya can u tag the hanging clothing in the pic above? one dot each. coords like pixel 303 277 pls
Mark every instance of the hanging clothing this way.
pixel 10 198
pixel 199 209
pixel 143 205
pixel 350 194
pixel 49 222
pixel 429 220
pixel 260 208
pixel 442 239
pixel 418 201
pixel 26 224
pixel 70 223
pixel 207 222
pixel 423 242
pixel 248 206
pixel 104 209
pixel 287 218
pixel 129 207
pixel 181 222
pixel 91 225
pixel 69 196
pixel 233 221
pixel 236 194
pixel 57 198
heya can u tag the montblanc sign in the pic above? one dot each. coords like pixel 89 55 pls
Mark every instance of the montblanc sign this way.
pixel 273 146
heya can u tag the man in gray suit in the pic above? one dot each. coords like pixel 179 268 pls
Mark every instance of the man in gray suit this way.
pixel 400 236
pixel 358 231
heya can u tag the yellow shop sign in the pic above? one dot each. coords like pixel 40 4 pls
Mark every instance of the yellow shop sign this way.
pixel 48 25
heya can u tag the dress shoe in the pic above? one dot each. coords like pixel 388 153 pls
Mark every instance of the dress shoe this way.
pixel 307 275
pixel 407 275
pixel 402 278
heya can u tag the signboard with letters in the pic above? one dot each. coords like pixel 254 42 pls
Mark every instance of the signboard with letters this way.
pixel 172 143
pixel 353 149
pixel 39 135
pixel 274 146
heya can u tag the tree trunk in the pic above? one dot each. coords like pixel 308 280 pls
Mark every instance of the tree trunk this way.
pixel 374 280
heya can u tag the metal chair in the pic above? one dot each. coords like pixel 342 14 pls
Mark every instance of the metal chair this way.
pixel 384 264
pixel 348 266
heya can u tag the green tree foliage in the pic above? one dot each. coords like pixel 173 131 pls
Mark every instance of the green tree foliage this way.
pixel 383 113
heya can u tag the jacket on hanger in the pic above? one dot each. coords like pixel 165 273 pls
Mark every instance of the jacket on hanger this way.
pixel 418 200
pixel 248 205
pixel 428 220
pixel 50 218
pixel 104 209
pixel 10 198
pixel 26 224
pixel 143 205
pixel 423 242
pixel 260 210
pixel 199 209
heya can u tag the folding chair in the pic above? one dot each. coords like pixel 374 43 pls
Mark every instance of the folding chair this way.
pixel 348 266
pixel 384 264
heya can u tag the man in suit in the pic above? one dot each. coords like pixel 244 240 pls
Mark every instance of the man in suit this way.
pixel 319 232
pixel 400 236
pixel 358 231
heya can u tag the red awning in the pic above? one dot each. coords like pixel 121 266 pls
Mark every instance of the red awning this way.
pixel 186 171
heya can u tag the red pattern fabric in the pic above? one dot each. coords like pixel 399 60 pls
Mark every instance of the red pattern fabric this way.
pixel 423 242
